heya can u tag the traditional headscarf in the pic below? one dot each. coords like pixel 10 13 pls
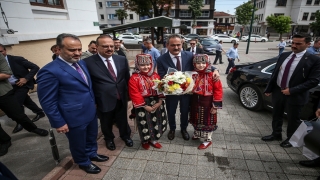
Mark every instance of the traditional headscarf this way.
pixel 143 59
pixel 202 58
pixel 201 83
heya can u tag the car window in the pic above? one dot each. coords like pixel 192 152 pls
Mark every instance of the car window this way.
pixel 208 43
pixel 269 69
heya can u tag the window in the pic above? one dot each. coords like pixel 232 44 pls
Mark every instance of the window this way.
pixel 313 16
pixel 114 4
pixel 187 23
pixel 220 20
pixel 316 2
pixel 48 3
pixel 185 13
pixel 269 69
pixel 172 13
pixel 202 23
pixel 305 16
pixel 183 2
pixel 130 16
pixel 281 3
pixel 226 20
pixel 205 14
pixel 309 2
pixel 112 16
pixel 205 2
pixel 278 14
pixel 100 4
pixel 101 16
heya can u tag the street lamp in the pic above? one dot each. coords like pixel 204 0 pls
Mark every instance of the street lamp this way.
pixel 249 38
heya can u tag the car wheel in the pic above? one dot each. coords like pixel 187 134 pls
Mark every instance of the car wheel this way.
pixel 250 97
pixel 233 41
pixel 263 40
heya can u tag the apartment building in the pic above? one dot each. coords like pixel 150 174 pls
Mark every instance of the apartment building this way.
pixel 302 13
pixel 33 25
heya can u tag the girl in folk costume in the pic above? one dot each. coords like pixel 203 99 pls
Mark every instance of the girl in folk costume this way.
pixel 150 113
pixel 206 99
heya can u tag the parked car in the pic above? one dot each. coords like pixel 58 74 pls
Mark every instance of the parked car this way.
pixel 225 38
pixel 250 80
pixel 209 46
pixel 207 38
pixel 192 36
pixel 134 39
pixel 125 34
pixel 254 37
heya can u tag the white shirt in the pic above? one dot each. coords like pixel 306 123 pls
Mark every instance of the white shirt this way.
pixel 70 64
pixel 292 67
pixel 194 50
pixel 174 59
pixel 111 61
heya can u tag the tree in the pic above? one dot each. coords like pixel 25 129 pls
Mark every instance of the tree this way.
pixel 122 14
pixel 315 26
pixel 281 24
pixel 195 7
pixel 244 14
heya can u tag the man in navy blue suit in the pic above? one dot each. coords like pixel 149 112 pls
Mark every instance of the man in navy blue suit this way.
pixel 182 61
pixel 65 93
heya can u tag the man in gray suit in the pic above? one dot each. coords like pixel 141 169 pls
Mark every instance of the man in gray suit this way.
pixel 92 49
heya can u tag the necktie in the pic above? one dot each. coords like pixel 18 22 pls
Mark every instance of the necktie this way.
pixel 286 72
pixel 178 65
pixel 111 70
pixel 192 50
pixel 79 71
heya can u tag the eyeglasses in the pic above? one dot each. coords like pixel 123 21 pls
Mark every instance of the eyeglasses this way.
pixel 192 43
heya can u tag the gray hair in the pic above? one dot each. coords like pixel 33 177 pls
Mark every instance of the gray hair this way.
pixel 173 36
pixel 148 40
pixel 60 38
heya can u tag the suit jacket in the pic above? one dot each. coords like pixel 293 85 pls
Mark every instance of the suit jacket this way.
pixel 198 50
pixel 64 96
pixel 104 86
pixel 86 54
pixel 164 62
pixel 20 69
pixel 305 76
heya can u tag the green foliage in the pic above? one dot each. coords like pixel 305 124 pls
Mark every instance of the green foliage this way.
pixel 315 26
pixel 195 7
pixel 281 24
pixel 122 14
pixel 244 13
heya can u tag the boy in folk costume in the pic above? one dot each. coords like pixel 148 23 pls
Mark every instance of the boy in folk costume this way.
pixel 206 99
pixel 150 113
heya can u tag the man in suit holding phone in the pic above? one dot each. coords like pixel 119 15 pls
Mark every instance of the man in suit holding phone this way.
pixel 295 73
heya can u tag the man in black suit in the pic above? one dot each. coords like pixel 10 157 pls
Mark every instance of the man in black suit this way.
pixel 22 81
pixel 110 76
pixel 193 48
pixel 295 73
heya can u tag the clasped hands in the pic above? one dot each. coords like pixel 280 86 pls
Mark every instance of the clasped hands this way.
pixel 153 107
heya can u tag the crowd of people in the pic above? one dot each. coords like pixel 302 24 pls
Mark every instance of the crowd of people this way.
pixel 78 88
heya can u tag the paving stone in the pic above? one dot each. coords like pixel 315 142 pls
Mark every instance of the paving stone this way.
pixel 251 155
pixel 170 168
pixel 297 157
pixel 153 167
pixel 219 144
pixel 205 172
pixel 148 176
pixel 202 152
pixel 272 167
pixel 221 152
pixel 165 147
pixel 115 174
pixel 132 175
pixel 189 159
pixel 259 175
pixel 177 148
pixel 295 177
pixel 292 150
pixel 190 150
pixel 247 146
pixel 203 161
pixel 233 145
pixel 240 175
pixel 255 165
pixel 158 156
pixel 143 154
pixel 309 171
pixel 310 177
pixel 290 168
pixel 231 137
pixel 167 177
pixel 187 171
pixel 235 154
pixel 186 178
pixel 276 148
pixel 266 156
pixel 238 164
pixel 173 158
pixel 137 164
pixel 222 173
pixel 277 176
pixel 128 153
pixel 262 147
pixel 217 137
pixel 121 163
pixel 282 157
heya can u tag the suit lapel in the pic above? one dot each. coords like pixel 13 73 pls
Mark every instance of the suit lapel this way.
pixel 169 60
pixel 183 60
pixel 66 67
pixel 102 66
pixel 117 64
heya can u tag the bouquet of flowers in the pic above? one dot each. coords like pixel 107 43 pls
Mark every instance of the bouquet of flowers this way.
pixel 175 83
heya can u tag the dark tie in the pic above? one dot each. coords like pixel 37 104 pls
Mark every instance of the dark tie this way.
pixel 286 72
pixel 192 50
pixel 113 74
pixel 79 71
pixel 178 65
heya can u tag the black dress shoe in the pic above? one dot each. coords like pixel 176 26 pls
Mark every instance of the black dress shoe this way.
pixel 110 145
pixel 128 142
pixel 100 158
pixel 286 144
pixel 171 134
pixel 221 62
pixel 4 148
pixel 185 135
pixel 17 128
pixel 40 132
pixel 90 169
pixel 38 116
pixel 310 163
pixel 271 138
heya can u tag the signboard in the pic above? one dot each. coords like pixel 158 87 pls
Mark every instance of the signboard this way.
pixel 176 22
pixel 95 23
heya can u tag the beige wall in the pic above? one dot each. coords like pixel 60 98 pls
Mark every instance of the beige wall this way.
pixel 39 52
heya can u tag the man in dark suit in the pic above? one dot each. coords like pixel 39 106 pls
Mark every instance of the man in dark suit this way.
pixel 22 81
pixel 193 48
pixel 182 61
pixel 65 93
pixel 110 76
pixel 295 73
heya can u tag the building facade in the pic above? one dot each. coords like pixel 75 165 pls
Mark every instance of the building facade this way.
pixel 302 13
pixel 35 24
pixel 223 23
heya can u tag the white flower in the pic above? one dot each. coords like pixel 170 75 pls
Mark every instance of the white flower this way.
pixel 146 137
pixel 158 135
pixel 163 129
pixel 144 130
pixel 154 119
pixel 153 102
pixel 143 122
pixel 156 127
pixel 141 114
pixel 163 114
pixel 164 122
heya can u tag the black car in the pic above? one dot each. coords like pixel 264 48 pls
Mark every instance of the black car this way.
pixel 209 46
pixel 250 80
